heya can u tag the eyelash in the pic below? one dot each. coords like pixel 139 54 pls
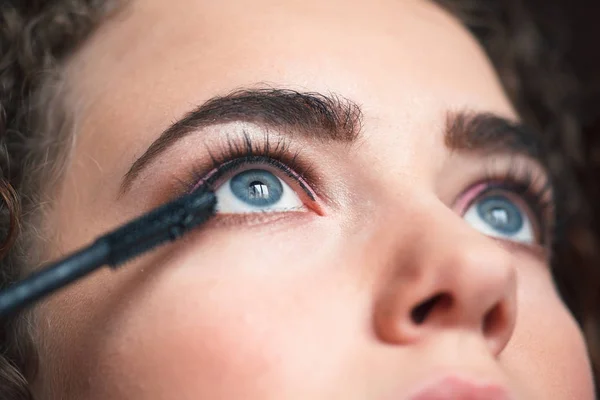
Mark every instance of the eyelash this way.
pixel 243 151
pixel 530 185
pixel 533 187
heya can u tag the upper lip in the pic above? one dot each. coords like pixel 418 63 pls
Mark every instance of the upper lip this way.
pixel 457 388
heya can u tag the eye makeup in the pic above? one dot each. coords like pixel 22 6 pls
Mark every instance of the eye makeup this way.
pixel 243 152
pixel 524 182
pixel 163 224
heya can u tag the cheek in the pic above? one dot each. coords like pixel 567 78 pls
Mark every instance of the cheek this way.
pixel 221 348
pixel 216 326
pixel 547 352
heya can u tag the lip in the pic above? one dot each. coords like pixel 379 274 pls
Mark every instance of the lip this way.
pixel 455 388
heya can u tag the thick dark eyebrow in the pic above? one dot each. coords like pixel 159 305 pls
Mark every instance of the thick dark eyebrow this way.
pixel 318 116
pixel 491 134
pixel 333 118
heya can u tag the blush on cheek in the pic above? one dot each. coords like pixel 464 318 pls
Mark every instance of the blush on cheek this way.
pixel 547 353
pixel 193 336
pixel 174 353
pixel 577 367
pixel 229 329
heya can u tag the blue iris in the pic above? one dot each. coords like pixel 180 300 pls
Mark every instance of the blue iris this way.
pixel 257 187
pixel 501 214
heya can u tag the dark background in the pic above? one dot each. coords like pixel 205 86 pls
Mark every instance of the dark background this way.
pixel 583 19
pixel 582 50
pixel 581 34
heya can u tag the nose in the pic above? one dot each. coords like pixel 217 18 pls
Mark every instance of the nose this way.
pixel 450 277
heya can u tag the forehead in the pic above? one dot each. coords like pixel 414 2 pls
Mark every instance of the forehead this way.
pixel 378 49
pixel 407 63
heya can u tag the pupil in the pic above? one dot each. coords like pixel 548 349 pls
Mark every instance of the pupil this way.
pixel 256 187
pixel 501 214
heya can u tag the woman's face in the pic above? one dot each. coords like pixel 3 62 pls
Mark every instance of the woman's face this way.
pixel 380 230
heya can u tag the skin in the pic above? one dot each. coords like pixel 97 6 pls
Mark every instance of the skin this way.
pixel 300 305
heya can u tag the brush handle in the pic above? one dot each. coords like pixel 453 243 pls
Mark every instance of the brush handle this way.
pixel 54 277
pixel 163 224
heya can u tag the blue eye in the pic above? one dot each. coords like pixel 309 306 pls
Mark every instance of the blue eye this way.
pixel 499 216
pixel 256 190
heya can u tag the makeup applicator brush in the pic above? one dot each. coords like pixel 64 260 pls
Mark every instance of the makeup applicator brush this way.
pixel 163 224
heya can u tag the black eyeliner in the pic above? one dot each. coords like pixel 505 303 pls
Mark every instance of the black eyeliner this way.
pixel 238 163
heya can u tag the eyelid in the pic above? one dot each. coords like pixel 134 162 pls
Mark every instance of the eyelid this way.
pixel 242 164
pixel 215 177
pixel 466 199
pixel 484 190
pixel 530 201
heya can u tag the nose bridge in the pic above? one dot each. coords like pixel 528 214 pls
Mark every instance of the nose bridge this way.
pixel 458 279
pixel 447 248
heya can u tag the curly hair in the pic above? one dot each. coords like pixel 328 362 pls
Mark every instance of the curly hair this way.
pixel 38 36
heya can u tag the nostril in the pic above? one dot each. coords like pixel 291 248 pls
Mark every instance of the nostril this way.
pixel 420 312
pixel 493 321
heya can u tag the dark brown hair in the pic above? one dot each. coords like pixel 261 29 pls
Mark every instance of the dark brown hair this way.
pixel 37 37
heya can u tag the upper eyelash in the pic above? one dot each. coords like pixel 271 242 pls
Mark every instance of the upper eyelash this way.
pixel 535 188
pixel 521 177
pixel 244 150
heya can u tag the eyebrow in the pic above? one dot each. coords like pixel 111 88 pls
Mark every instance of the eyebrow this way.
pixel 333 118
pixel 314 115
pixel 491 134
